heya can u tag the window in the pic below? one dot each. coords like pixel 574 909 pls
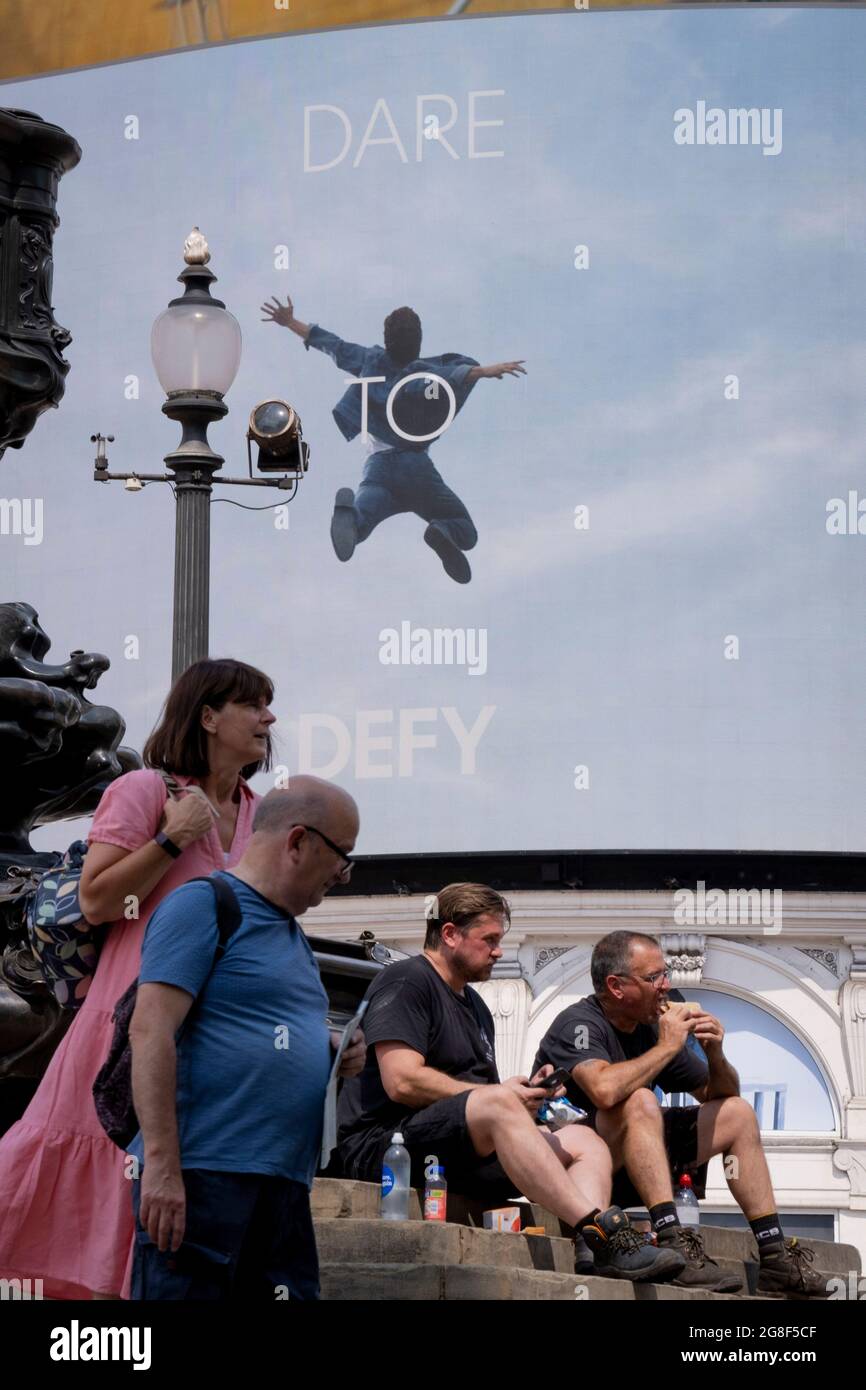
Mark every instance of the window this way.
pixel 777 1073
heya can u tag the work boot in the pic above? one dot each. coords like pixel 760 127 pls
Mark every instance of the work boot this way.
pixel 344 524
pixel 454 561
pixel 620 1253
pixel 784 1269
pixel 701 1271
pixel 583 1261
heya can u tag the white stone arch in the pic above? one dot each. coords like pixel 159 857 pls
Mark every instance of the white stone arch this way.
pixel 764 977
pixel 561 982
pixel 759 975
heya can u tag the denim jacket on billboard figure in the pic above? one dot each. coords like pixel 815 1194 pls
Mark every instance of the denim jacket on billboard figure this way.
pixel 416 408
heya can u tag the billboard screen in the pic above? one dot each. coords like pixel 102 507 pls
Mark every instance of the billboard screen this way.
pixel 596 571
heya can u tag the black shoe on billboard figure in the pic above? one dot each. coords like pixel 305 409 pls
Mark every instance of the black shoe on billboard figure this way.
pixel 402 402
pixel 344 528
pixel 454 561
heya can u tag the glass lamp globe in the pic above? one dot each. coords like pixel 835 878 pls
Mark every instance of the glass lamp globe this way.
pixel 196 346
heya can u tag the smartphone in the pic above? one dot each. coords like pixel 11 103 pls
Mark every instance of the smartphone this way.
pixel 556 1078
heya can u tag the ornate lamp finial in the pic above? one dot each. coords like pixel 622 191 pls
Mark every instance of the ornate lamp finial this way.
pixel 195 249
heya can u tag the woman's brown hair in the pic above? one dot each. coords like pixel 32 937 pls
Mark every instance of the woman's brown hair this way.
pixel 179 743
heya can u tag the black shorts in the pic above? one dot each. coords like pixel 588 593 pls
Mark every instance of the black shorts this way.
pixel 438 1129
pixel 681 1142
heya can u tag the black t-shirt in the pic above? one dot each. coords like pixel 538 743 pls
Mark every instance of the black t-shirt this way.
pixel 582 1033
pixel 409 1002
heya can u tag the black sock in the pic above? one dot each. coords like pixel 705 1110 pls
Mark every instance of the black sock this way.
pixel 587 1220
pixel 768 1232
pixel 664 1217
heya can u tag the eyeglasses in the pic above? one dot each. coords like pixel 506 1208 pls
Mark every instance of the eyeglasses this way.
pixel 348 861
pixel 652 979
pixel 656 977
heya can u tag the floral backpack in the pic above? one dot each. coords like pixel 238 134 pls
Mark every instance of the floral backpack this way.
pixel 65 945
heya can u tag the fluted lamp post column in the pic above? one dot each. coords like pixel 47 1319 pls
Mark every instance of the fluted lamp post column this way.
pixel 196 350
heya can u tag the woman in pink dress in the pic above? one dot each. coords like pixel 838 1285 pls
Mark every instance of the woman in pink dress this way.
pixel 64 1196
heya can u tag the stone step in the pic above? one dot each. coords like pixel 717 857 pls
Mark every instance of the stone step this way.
pixel 346 1198
pixel 669 1293
pixel 453 1283
pixel 364 1241
pixel 373 1241
pixel 456 1283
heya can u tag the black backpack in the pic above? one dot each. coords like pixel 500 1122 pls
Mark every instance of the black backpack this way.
pixel 112 1089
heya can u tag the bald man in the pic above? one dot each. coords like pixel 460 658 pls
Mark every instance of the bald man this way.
pixel 231 1110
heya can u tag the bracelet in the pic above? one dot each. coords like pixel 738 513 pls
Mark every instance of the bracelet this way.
pixel 168 845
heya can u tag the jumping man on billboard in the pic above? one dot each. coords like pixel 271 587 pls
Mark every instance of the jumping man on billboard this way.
pixel 398 423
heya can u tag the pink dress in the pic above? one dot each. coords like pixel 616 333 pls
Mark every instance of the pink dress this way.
pixel 65 1204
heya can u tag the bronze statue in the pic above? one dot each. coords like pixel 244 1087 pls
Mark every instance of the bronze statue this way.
pixel 59 752
pixel 34 156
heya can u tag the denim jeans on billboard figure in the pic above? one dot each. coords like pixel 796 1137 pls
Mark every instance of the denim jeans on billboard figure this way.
pixel 247 1236
pixel 405 480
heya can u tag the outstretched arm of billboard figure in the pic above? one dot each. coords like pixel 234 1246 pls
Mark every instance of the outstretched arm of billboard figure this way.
pixel 349 357
pixel 284 315
pixel 498 369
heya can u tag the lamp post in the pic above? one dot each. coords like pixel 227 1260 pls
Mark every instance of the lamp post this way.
pixel 196 351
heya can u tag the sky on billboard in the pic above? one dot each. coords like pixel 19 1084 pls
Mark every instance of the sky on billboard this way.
pixel 684 671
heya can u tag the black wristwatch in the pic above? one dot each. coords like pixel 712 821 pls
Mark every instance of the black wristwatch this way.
pixel 168 845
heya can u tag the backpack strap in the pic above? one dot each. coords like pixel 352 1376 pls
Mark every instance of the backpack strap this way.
pixel 171 786
pixel 229 915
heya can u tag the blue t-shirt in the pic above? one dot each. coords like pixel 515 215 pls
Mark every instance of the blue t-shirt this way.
pixel 254 1053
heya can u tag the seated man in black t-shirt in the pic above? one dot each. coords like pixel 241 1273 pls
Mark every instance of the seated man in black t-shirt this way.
pixel 624 1040
pixel 431 1075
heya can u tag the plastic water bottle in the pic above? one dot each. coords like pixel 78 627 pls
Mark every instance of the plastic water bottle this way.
pixel 394 1205
pixel 688 1210
pixel 435 1190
